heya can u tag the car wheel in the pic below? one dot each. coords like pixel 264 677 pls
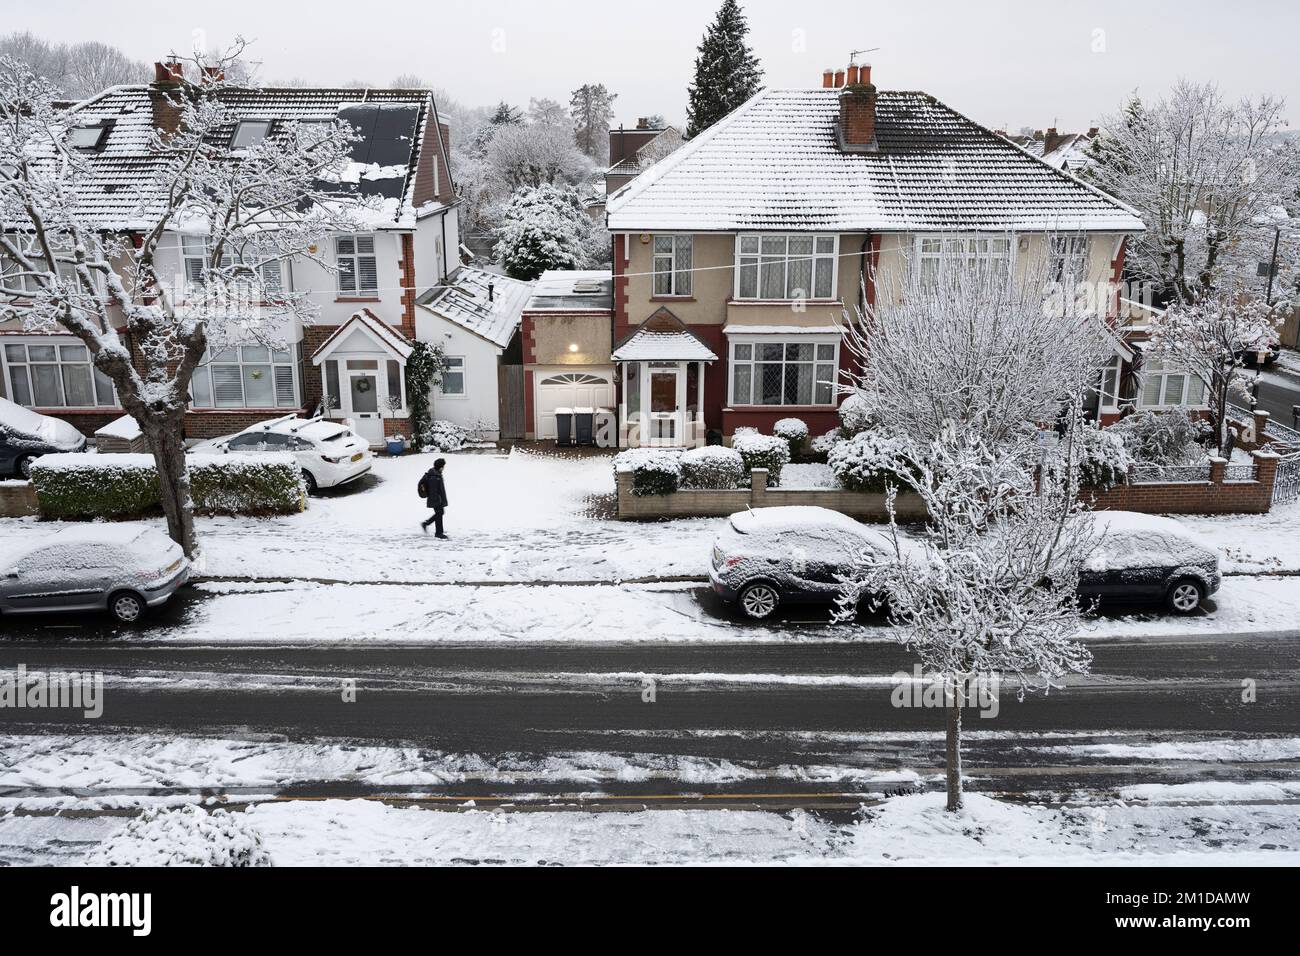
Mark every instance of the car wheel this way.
pixel 126 607
pixel 23 467
pixel 310 482
pixel 1185 596
pixel 759 600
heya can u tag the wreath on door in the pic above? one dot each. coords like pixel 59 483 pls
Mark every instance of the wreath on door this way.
pixel 363 385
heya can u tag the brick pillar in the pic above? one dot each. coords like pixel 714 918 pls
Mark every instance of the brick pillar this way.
pixel 1261 426
pixel 1266 468
pixel 1217 466
pixel 758 487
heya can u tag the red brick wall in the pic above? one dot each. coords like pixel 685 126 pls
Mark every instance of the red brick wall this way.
pixel 407 266
pixel 205 423
pixel 1213 497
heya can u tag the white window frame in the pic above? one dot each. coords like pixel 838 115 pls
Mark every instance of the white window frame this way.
pixel 462 371
pixel 1069 256
pixel 1108 387
pixel 1156 368
pixel 356 256
pixel 679 258
pixel 741 264
pixel 970 251
pixel 204 372
pixel 9 368
pixel 202 258
pixel 249 121
pixel 753 342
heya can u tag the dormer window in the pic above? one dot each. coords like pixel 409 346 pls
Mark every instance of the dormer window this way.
pixel 86 137
pixel 249 133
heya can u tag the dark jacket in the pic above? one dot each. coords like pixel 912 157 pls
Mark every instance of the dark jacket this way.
pixel 435 490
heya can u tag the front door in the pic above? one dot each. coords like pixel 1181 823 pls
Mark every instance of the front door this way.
pixel 665 408
pixel 364 396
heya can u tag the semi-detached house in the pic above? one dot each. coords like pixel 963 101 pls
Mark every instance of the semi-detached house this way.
pixel 735 256
pixel 367 306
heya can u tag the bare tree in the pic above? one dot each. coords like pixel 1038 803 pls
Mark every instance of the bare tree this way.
pixel 958 366
pixel 1211 339
pixel 1207 176
pixel 522 155
pixel 408 81
pixel 96 66
pixel 254 210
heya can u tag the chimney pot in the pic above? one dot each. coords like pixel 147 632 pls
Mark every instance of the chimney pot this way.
pixel 214 74
pixel 839 78
pixel 828 79
pixel 864 74
pixel 853 75
pixel 168 72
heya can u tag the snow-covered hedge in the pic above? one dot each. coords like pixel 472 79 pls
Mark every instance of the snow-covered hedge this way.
pixel 184 836
pixel 712 466
pixel 794 431
pixel 125 486
pixel 655 471
pixel 823 444
pixel 869 461
pixel 1163 438
pixel 762 451
pixel 1104 461
pixel 444 436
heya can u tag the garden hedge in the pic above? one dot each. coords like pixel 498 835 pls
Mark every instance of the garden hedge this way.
pixel 126 486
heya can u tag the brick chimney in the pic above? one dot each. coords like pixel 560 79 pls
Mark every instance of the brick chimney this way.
pixel 214 74
pixel 643 122
pixel 168 73
pixel 857 126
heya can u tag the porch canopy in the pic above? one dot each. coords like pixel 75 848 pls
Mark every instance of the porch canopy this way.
pixel 662 375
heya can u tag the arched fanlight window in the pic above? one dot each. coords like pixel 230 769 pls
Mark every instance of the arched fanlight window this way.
pixel 575 378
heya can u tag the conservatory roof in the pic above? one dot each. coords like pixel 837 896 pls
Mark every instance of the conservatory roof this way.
pixel 487 304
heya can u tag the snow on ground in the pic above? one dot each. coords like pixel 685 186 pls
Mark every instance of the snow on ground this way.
pixel 1253 543
pixel 808 476
pixel 905 830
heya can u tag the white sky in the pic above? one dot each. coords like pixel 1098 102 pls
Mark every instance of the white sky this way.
pixel 1005 63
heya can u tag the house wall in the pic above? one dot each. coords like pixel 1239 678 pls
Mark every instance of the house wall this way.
pixel 478 407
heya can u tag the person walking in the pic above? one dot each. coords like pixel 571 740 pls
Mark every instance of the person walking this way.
pixel 434 491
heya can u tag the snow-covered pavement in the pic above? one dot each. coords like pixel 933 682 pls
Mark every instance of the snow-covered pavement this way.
pixel 901 831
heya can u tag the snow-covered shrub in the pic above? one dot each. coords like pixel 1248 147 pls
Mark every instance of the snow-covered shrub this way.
pixel 1103 460
pixel 125 486
pixel 869 461
pixel 1170 437
pixel 543 227
pixel 856 415
pixel 712 466
pixel 822 444
pixel 761 451
pixel 444 436
pixel 794 431
pixel 655 471
pixel 183 836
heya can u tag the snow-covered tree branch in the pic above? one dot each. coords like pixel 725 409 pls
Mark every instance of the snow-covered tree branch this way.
pixel 250 210
pixel 959 368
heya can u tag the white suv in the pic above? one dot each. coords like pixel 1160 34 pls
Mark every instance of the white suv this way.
pixel 330 454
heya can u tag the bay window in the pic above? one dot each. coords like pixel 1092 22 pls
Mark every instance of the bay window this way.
pixel 247 376
pixel 1166 386
pixel 672 265
pixel 783 267
pixel 358 268
pixel 789 372
pixel 55 375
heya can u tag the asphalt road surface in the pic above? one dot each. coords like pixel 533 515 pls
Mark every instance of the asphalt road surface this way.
pixel 811 704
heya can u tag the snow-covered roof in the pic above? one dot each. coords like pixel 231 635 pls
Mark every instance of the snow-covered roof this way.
pixel 387 338
pixel 487 304
pixel 775 163
pixel 647 346
pixel 390 124
pixel 572 290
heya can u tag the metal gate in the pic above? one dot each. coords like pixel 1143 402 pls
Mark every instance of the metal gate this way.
pixel 510 401
pixel 1286 484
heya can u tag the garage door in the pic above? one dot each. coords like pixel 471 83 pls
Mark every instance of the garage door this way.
pixel 571 390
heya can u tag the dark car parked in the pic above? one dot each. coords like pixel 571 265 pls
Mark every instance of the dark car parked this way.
pixel 1149 558
pixel 792 555
pixel 25 435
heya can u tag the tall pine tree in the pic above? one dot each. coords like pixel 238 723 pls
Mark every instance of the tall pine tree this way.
pixel 726 71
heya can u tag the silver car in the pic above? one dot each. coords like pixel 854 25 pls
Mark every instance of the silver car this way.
pixel 121 568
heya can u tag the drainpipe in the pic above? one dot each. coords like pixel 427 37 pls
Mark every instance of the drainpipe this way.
pixel 862 273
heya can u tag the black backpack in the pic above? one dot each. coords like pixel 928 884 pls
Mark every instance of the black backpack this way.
pixel 422 489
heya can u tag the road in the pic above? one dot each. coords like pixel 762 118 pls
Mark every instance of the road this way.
pixel 1279 393
pixel 811 717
